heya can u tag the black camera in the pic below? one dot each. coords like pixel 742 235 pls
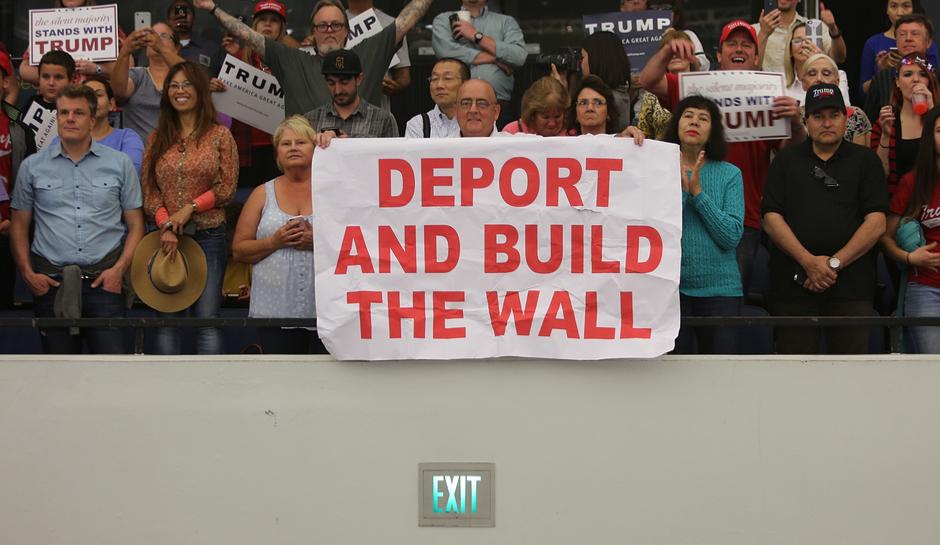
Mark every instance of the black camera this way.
pixel 181 10
pixel 567 59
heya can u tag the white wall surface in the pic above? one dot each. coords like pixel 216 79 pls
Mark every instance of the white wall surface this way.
pixel 675 451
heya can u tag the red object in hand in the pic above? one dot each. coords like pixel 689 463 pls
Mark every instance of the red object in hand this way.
pixel 919 102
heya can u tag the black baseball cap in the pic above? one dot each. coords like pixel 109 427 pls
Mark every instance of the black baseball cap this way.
pixel 823 95
pixel 341 62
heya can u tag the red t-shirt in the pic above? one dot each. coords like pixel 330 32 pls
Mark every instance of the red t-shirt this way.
pixel 753 158
pixel 6 167
pixel 929 222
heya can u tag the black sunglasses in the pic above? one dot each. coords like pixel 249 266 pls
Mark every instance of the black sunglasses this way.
pixel 828 181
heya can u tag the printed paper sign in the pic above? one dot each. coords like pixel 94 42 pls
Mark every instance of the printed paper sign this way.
pixel 639 31
pixel 251 96
pixel 89 33
pixel 745 99
pixel 483 247
pixel 43 124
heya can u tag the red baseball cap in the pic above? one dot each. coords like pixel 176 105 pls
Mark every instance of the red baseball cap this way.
pixel 5 64
pixel 271 5
pixel 735 25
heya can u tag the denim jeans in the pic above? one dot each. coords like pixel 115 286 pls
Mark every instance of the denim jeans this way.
pixel 747 249
pixel 711 340
pixel 208 339
pixel 923 300
pixel 96 303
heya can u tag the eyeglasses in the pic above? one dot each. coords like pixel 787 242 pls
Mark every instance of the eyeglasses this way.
pixel 800 41
pixel 596 102
pixel 828 181
pixel 330 27
pixel 446 79
pixel 482 104
pixel 185 86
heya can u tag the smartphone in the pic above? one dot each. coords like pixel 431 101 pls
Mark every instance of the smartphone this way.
pixel 799 277
pixel 814 31
pixel 298 218
pixel 893 50
pixel 141 20
pixel 453 19
pixel 770 5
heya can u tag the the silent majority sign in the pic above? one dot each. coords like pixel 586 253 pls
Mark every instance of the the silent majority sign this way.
pixel 509 246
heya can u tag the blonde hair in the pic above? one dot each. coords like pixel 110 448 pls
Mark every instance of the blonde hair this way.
pixel 297 123
pixel 789 61
pixel 546 93
pixel 816 57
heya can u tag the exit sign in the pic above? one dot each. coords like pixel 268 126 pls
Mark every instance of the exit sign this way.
pixel 456 494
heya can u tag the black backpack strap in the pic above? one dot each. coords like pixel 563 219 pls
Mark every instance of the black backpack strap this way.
pixel 426 121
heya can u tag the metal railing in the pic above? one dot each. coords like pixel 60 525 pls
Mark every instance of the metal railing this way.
pixel 140 324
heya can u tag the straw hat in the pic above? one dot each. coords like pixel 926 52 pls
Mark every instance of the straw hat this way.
pixel 164 284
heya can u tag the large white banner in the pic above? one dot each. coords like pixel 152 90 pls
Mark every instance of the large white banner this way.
pixel 563 247
pixel 89 33
pixel 251 96
pixel 746 100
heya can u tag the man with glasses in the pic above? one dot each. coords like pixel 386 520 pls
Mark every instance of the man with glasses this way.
pixel 824 209
pixel 75 195
pixel 914 34
pixel 299 73
pixel 441 122
pixel 477 109
pixel 348 114
pixel 490 43
pixel 775 29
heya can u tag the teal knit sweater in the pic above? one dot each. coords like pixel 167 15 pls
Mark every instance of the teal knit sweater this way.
pixel 712 223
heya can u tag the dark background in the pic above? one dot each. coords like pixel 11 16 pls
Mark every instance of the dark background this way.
pixel 548 26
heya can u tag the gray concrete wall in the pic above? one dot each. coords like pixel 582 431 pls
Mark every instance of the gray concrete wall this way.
pixel 675 451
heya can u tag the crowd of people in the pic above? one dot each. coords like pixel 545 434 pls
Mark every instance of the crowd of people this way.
pixel 100 214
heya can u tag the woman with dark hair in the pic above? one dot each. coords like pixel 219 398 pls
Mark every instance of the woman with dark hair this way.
pixel 712 224
pixel 602 55
pixel 880 50
pixel 912 234
pixel 593 109
pixel 896 135
pixel 190 170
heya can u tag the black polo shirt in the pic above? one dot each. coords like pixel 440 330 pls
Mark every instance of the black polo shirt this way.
pixel 824 219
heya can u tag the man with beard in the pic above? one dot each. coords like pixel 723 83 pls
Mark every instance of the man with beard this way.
pixel 299 72
pixel 348 114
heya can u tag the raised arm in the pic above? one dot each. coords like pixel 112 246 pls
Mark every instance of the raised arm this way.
pixel 239 29
pixel 407 18
pixel 653 75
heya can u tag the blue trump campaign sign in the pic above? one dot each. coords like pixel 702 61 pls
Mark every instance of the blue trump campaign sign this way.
pixel 639 31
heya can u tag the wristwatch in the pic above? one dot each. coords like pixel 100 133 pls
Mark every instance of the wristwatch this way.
pixel 478 37
pixel 834 263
